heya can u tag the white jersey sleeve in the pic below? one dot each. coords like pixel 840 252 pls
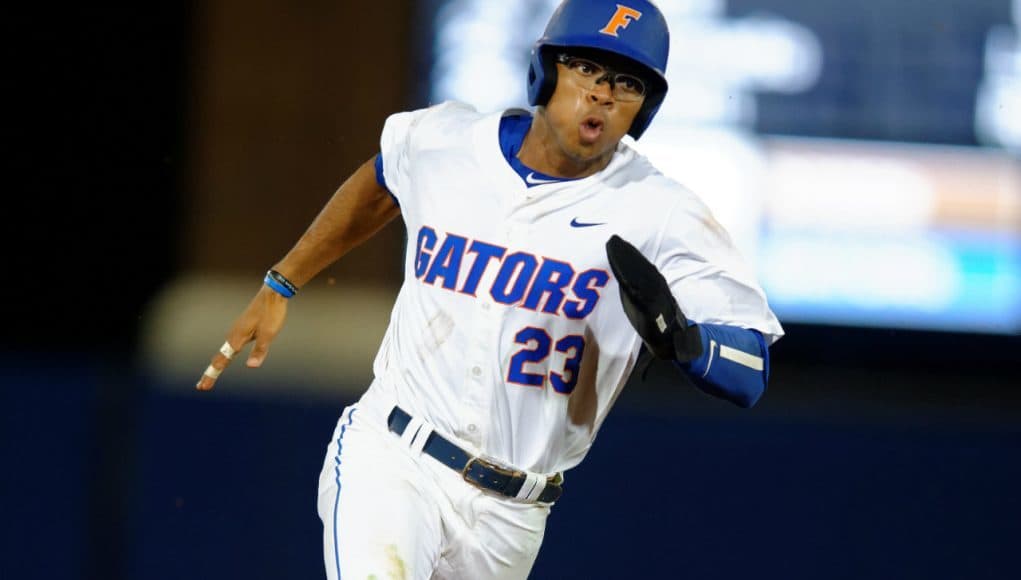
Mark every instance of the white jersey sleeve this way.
pixel 709 277
pixel 404 135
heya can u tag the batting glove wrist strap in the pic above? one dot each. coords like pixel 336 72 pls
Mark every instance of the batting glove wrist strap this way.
pixel 650 306
pixel 280 284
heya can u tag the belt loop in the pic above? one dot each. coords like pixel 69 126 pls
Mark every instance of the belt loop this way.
pixel 421 438
pixel 532 487
pixel 408 436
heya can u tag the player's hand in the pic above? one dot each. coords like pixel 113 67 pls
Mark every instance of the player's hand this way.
pixel 650 306
pixel 260 321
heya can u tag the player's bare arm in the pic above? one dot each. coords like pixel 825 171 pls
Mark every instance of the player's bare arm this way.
pixel 358 209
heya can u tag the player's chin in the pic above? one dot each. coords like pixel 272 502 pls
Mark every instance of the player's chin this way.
pixel 587 151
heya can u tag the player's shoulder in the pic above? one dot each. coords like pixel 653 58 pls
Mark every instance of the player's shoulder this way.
pixel 452 113
pixel 440 126
pixel 442 118
pixel 645 181
pixel 651 206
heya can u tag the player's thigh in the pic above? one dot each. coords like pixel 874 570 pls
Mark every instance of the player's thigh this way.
pixel 378 518
pixel 502 542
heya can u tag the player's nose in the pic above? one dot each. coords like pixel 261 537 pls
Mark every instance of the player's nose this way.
pixel 602 92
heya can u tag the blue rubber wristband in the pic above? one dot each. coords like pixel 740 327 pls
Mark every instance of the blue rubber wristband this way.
pixel 278 287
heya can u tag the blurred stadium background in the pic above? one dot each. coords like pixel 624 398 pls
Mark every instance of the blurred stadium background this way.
pixel 865 156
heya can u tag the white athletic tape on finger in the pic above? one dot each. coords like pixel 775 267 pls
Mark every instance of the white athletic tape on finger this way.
pixel 212 372
pixel 420 438
pixel 410 431
pixel 228 351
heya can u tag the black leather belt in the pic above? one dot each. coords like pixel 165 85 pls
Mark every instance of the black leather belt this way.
pixel 474 470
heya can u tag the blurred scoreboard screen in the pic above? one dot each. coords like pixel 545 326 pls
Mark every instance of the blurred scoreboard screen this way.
pixel 865 156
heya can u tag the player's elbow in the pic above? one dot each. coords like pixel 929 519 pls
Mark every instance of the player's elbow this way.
pixel 746 394
pixel 746 399
pixel 743 395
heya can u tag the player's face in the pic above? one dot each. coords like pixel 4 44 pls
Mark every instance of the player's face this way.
pixel 592 107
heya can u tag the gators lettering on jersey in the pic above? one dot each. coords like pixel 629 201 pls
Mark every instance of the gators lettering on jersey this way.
pixel 520 278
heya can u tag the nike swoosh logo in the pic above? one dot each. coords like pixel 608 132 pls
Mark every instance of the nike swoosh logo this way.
pixel 531 179
pixel 577 224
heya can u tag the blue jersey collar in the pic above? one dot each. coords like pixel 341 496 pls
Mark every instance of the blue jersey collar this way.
pixel 513 128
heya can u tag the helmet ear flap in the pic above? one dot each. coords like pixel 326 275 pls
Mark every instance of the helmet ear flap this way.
pixel 652 102
pixel 542 78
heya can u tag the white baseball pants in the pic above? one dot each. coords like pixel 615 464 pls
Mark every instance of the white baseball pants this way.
pixel 388 513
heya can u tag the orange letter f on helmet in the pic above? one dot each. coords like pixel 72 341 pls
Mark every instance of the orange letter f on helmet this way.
pixel 620 19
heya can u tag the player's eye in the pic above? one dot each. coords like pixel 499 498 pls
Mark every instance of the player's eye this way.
pixel 585 68
pixel 630 85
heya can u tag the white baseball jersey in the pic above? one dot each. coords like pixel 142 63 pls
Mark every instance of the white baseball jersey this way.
pixel 508 335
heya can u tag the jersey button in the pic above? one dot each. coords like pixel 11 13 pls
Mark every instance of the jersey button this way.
pixel 472 428
pixel 476 371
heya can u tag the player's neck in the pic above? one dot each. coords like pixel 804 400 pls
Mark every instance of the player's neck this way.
pixel 543 152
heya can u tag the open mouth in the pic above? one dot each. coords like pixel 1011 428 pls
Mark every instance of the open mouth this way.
pixel 591 128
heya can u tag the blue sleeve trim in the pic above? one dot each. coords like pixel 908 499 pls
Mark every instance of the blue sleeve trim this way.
pixel 734 364
pixel 382 180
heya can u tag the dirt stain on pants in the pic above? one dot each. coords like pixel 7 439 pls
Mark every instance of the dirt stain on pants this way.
pixel 395 565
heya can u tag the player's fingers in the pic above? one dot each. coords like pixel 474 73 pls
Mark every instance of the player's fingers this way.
pixel 219 362
pixel 259 352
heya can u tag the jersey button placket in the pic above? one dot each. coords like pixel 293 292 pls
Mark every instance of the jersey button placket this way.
pixel 474 401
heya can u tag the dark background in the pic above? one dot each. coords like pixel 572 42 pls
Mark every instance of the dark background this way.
pixel 895 70
pixel 173 140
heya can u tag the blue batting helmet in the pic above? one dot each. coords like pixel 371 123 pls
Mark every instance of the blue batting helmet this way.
pixel 633 29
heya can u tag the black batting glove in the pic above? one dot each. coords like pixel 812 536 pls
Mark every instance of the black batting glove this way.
pixel 650 306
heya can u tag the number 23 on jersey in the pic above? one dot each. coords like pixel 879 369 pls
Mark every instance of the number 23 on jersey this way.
pixel 538 346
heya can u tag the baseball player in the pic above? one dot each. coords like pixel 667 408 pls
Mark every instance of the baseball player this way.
pixel 545 257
